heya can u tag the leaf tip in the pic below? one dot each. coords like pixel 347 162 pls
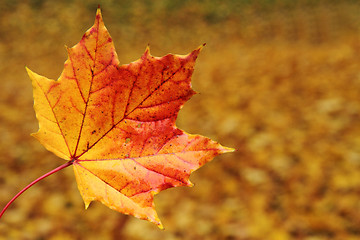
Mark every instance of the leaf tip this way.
pixel 147 50
pixel 98 10
pixel 160 226
pixel 87 204
pixel 200 47
pixel 157 221
pixel 28 70
pixel 98 17
pixel 196 52
pixel 193 92
pixel 31 74
pixel 227 149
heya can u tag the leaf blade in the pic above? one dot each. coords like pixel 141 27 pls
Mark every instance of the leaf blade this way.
pixel 117 123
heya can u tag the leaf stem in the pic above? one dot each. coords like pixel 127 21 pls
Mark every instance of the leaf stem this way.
pixel 35 181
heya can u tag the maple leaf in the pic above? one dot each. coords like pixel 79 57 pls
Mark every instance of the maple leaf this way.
pixel 116 123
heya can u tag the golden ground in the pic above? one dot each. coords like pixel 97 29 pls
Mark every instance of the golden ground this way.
pixel 279 81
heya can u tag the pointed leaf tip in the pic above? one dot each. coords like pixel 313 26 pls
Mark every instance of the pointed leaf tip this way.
pixel 87 204
pixel 203 45
pixel 160 226
pixel 28 70
pixel 98 14
pixel 227 149
pixel 147 50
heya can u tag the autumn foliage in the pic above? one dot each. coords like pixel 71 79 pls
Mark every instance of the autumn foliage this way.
pixel 278 80
pixel 116 124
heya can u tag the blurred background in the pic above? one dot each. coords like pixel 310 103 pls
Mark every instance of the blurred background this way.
pixel 279 80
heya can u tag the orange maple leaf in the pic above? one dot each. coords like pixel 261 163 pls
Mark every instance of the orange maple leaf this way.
pixel 116 123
